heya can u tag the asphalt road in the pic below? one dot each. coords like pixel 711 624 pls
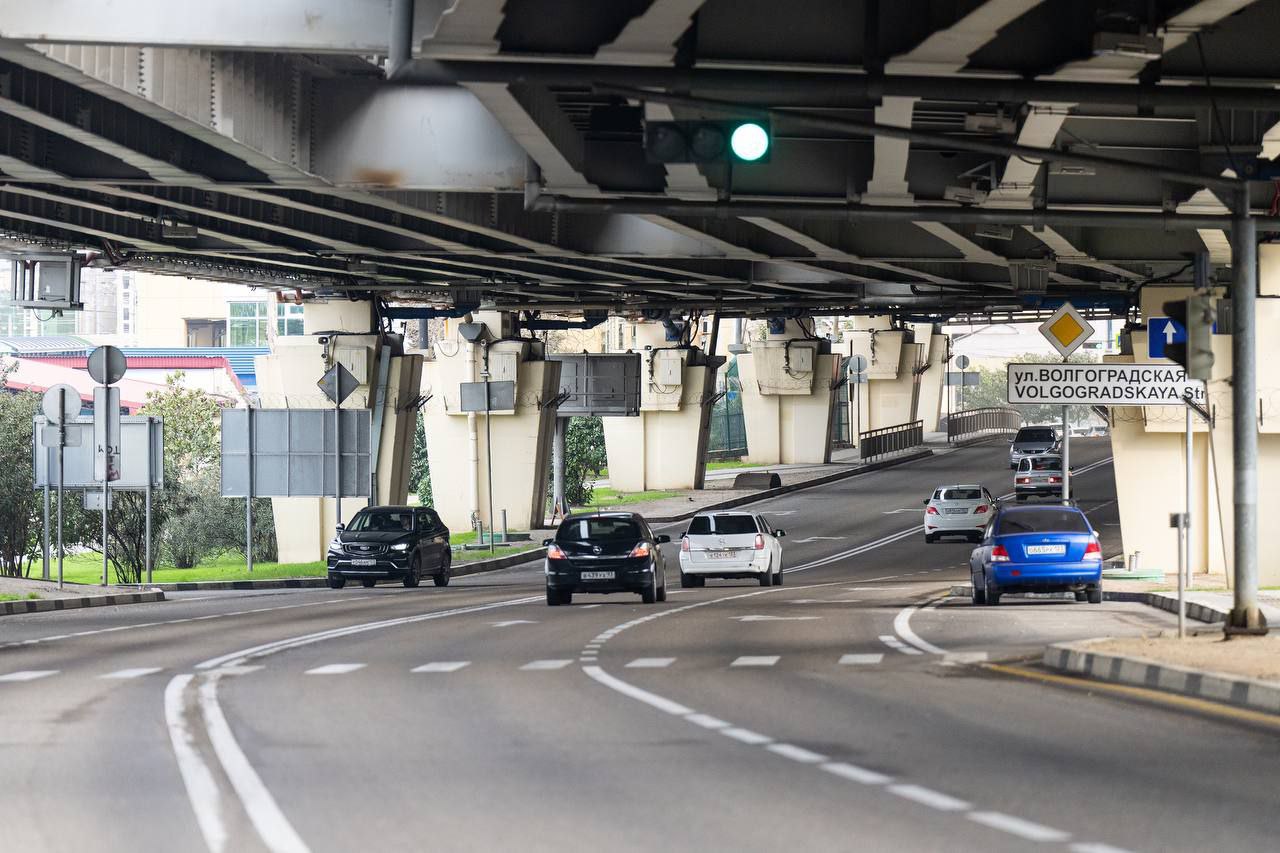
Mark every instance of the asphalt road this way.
pixel 850 708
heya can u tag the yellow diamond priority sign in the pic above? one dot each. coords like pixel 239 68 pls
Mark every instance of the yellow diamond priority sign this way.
pixel 1066 330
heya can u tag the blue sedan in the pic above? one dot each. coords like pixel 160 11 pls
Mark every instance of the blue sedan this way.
pixel 1037 549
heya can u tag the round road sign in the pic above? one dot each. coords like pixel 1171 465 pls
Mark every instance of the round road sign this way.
pixel 106 365
pixel 962 361
pixel 61 404
pixel 857 364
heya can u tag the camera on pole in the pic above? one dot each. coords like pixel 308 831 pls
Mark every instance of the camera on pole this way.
pixel 1197 314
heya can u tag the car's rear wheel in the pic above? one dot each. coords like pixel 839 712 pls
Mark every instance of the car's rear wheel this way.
pixel 979 595
pixel 1021 497
pixel 930 538
pixel 337 581
pixel 992 592
pixel 766 579
pixel 553 597
pixel 1095 594
pixel 1082 595
pixel 414 576
pixel 441 578
pixel 777 576
pixel 368 583
pixel 691 581
pixel 662 592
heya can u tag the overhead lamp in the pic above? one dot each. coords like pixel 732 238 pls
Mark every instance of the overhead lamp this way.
pixel 994 232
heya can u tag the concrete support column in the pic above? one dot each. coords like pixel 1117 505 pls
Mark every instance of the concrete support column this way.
pixel 662 448
pixel 788 397
pixel 342 331
pixel 894 392
pixel 932 380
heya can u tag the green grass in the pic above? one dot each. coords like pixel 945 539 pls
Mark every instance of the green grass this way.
pixel 9 596
pixel 608 497
pixel 729 463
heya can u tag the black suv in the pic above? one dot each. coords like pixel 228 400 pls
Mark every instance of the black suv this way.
pixel 605 552
pixel 392 542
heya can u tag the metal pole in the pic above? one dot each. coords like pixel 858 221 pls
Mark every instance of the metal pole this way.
pixel 1245 616
pixel 146 554
pixel 45 544
pixel 1066 456
pixel 248 500
pixel 557 468
pixel 337 462
pixel 1182 586
pixel 106 477
pixel 504 526
pixel 488 454
pixel 62 440
pixel 1186 541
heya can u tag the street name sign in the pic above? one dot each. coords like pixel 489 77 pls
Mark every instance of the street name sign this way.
pixel 1066 329
pixel 1103 385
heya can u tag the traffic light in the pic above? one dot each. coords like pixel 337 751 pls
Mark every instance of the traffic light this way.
pixel 748 141
pixel 1197 315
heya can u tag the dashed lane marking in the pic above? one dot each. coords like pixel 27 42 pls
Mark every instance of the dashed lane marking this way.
pixel 336 669
pixel 28 674
pixel 929 797
pixel 756 660
pixel 746 736
pixel 136 672
pixel 1019 827
pixel 650 663
pixel 861 660
pixel 442 666
pixel 707 721
pixel 796 753
pixel 898 646
pixel 853 773
pixel 546 664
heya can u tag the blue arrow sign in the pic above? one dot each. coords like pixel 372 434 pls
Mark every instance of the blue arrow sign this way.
pixel 1162 331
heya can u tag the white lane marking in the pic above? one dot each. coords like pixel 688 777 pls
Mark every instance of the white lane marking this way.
pixel 746 736
pixel 902 627
pixel 898 646
pixel 202 791
pixel 954 658
pixel 653 700
pixel 650 663
pixel 510 622
pixel 273 827
pixel 929 797
pixel 817 539
pixel 136 672
pixel 28 674
pixel 856 774
pixel 707 721
pixel 1097 848
pixel 861 549
pixel 861 660
pixel 546 664
pixel 336 668
pixel 760 617
pixel 756 660
pixel 243 655
pixel 588 606
pixel 442 666
pixel 796 753
pixel 1019 827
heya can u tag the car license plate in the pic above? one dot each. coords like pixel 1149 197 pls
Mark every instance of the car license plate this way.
pixel 957 511
pixel 364 562
pixel 1046 550
pixel 722 555
pixel 597 576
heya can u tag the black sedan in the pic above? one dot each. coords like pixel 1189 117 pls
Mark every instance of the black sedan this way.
pixel 393 543
pixel 605 552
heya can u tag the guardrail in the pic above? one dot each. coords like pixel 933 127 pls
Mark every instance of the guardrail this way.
pixel 886 440
pixel 993 420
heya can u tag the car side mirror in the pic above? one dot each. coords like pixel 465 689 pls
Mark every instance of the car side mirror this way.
pixel 779 533
pixel 924 502
pixel 662 539
pixel 339 527
pixel 546 542
pixel 1010 439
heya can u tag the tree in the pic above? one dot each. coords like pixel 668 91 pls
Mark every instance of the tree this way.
pixel 584 458
pixel 20 504
pixel 419 470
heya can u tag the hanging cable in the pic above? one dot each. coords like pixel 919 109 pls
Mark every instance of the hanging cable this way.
pixel 1213 106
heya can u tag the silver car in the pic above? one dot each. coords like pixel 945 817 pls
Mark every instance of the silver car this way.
pixel 1031 441
pixel 1039 476
pixel 958 511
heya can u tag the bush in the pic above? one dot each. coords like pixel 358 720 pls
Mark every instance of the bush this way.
pixel 21 507
pixel 584 458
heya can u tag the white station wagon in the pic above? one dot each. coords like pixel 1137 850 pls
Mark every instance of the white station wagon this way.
pixel 730 545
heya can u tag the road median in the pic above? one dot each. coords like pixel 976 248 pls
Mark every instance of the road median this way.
pixel 48 605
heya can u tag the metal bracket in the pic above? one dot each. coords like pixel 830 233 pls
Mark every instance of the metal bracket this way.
pixel 414 403
pixel 554 402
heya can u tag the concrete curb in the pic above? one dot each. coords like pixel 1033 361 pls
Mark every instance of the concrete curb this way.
pixel 1198 612
pixel 765 494
pixel 1076 659
pixel 47 605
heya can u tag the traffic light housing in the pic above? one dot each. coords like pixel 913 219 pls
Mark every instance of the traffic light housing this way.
pixel 743 141
pixel 1197 314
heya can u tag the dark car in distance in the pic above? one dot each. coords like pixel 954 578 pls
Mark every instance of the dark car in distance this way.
pixel 605 552
pixel 404 543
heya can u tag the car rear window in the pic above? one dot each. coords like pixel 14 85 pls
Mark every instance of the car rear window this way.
pixel 1045 463
pixel 1044 520
pixel 1040 434
pixel 725 525
pixel 962 495
pixel 598 530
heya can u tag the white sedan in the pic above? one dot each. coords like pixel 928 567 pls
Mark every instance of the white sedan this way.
pixel 958 511
pixel 730 545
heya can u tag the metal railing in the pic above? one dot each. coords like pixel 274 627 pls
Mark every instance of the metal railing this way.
pixel 886 440
pixel 993 420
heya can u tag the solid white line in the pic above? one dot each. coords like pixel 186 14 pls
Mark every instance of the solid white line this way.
pixel 746 736
pixel 707 721
pixel 929 797
pixel 651 699
pixel 650 663
pixel 1097 848
pixel 796 753
pixel 1019 827
pixel 546 664
pixel 273 827
pixel 202 791
pixel 861 660
pixel 856 774
pixel 28 675
pixel 902 625
pixel 336 669
pixel 964 657
pixel 137 672
pixel 441 666
pixel 756 660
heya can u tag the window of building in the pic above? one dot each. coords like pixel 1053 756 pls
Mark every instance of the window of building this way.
pixel 206 333
pixel 247 323
pixel 288 319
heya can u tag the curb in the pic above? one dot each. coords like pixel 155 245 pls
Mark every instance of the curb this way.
pixel 1076 659
pixel 1198 612
pixel 14 608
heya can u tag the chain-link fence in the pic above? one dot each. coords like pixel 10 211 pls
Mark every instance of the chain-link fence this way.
pixel 728 437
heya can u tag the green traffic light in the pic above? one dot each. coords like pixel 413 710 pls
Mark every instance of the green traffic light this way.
pixel 749 142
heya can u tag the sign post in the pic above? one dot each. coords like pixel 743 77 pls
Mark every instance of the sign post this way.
pixel 858 375
pixel 962 362
pixel 337 384
pixel 1065 330
pixel 106 366
pixel 61 403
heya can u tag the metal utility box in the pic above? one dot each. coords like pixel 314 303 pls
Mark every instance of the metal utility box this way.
pixel 785 367
pixel 502 397
pixel 504 365
pixel 356 360
pixel 668 368
pixel 45 281
pixel 606 384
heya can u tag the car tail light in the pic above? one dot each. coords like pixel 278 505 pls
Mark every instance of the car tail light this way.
pixel 555 552
pixel 759 541
pixel 641 550
pixel 1093 551
pixel 933 510
pixel 999 554
pixel 1023 480
pixel 1055 479
pixel 982 508
pixel 684 544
